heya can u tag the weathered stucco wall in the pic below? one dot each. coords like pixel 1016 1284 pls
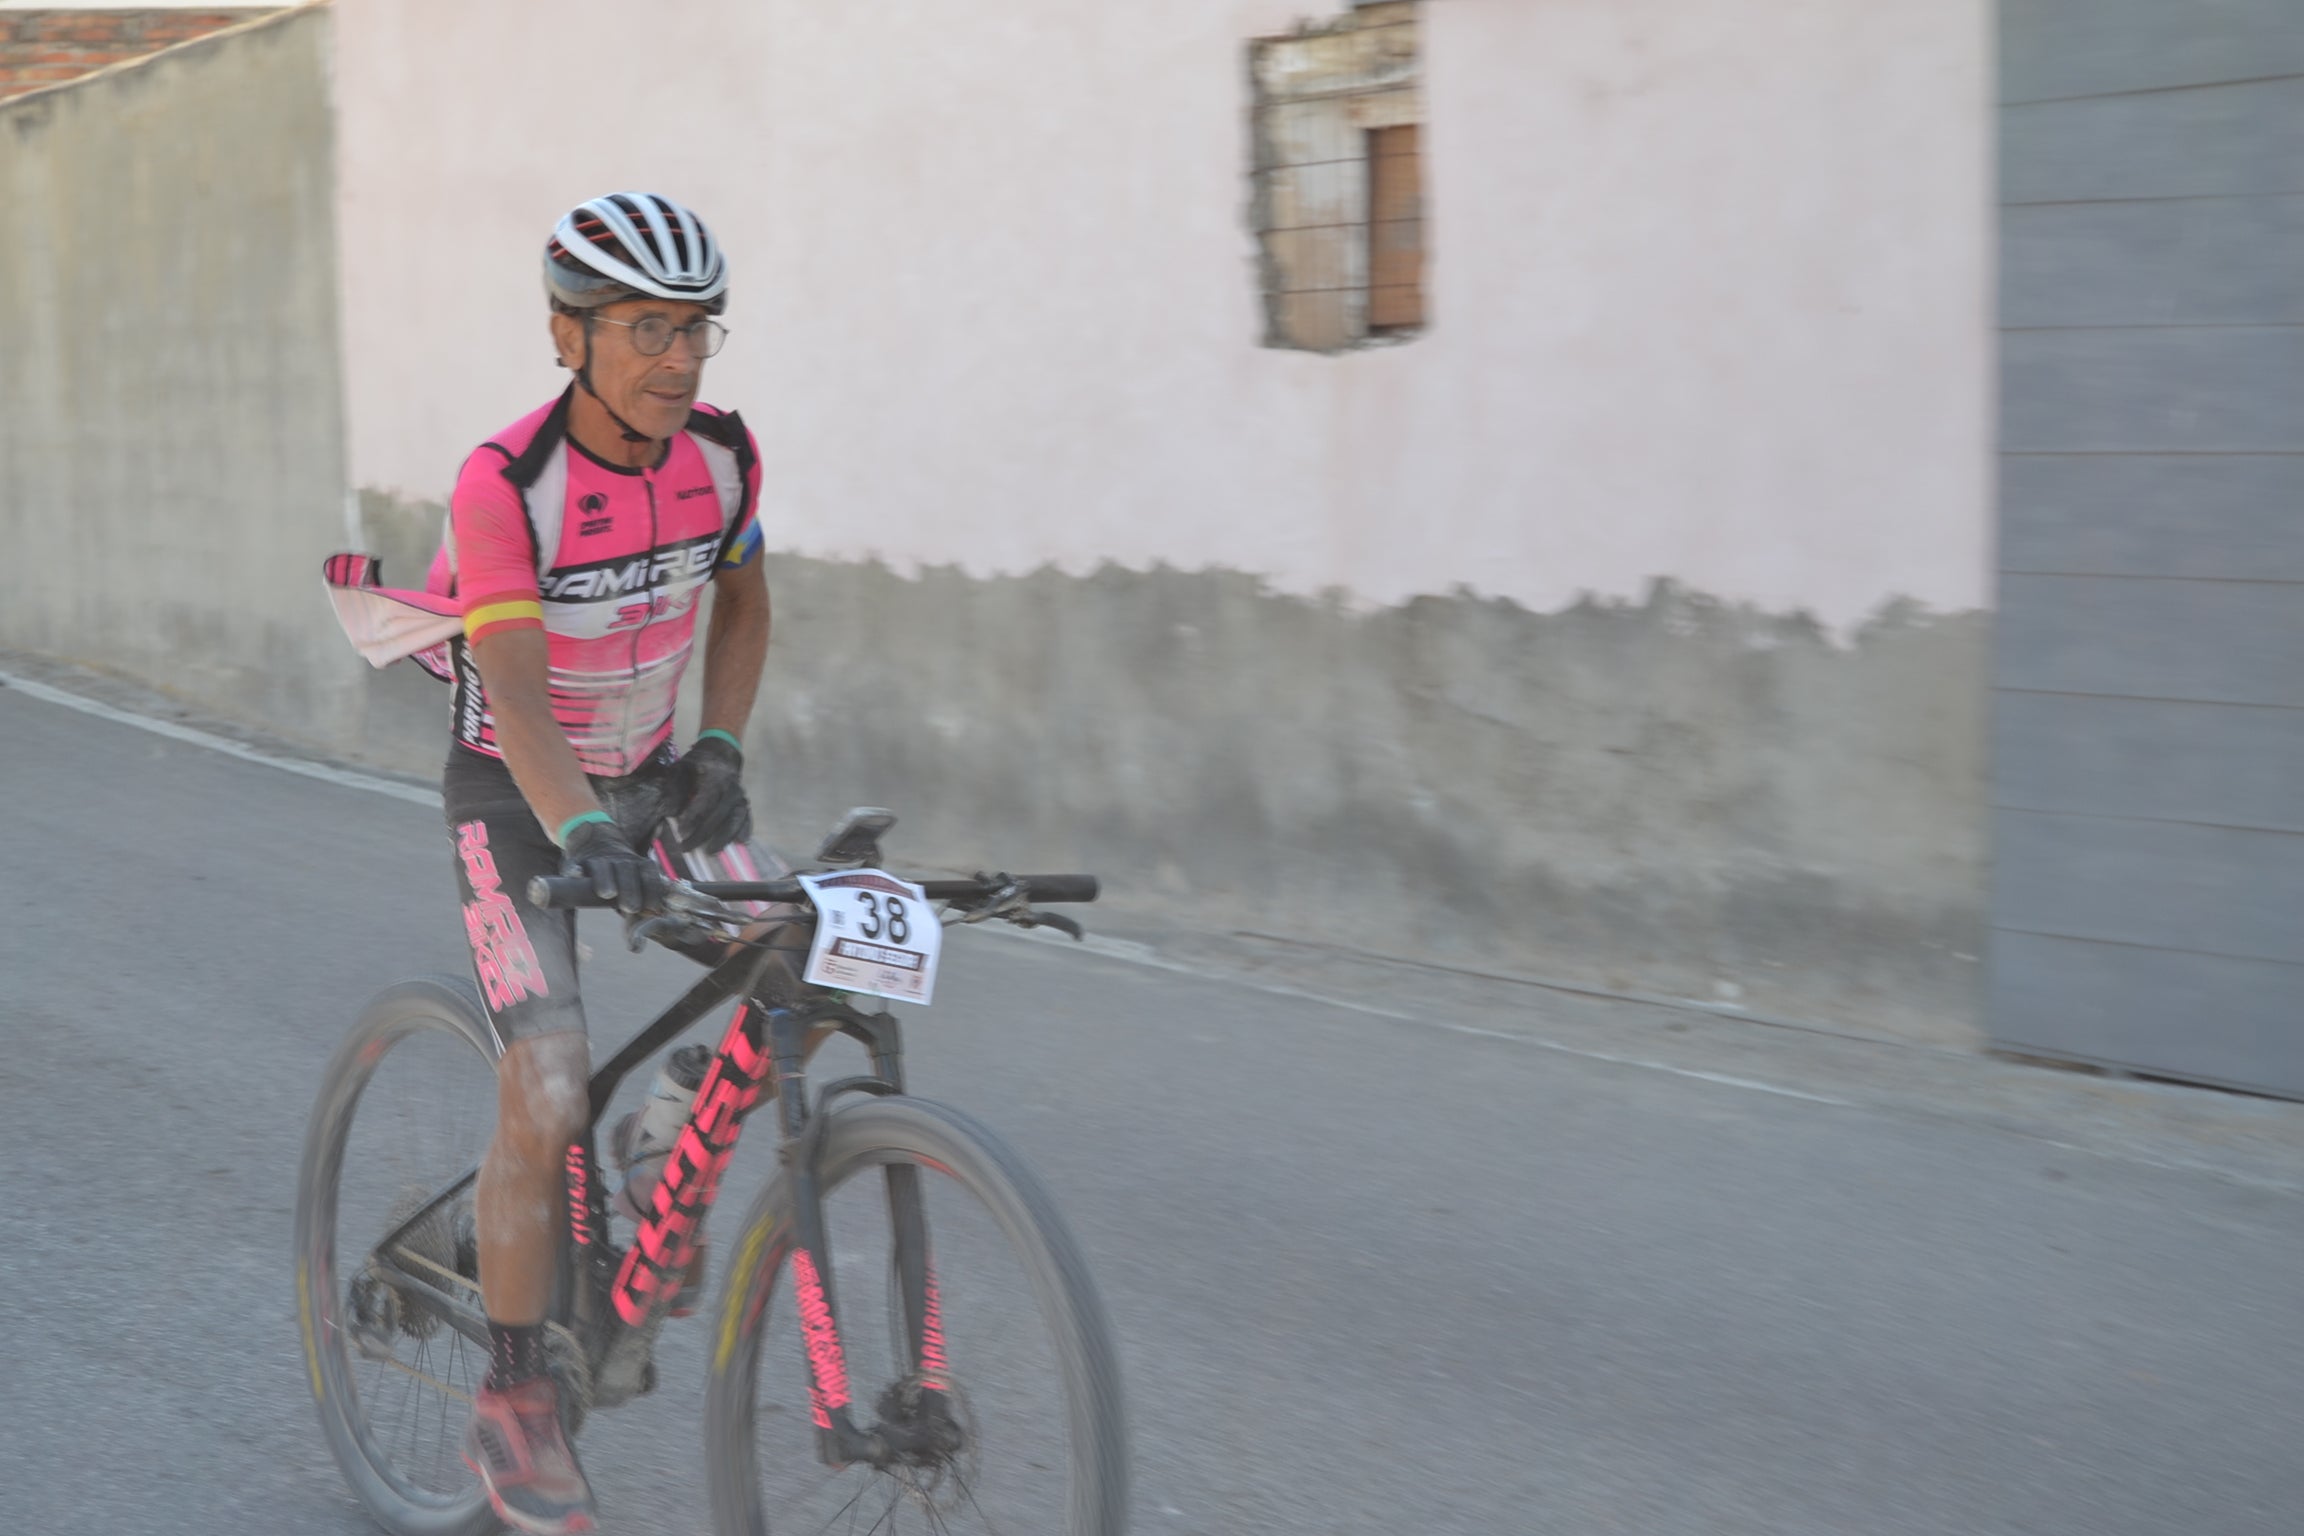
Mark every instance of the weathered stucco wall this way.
pixel 171 442
pixel 1667 795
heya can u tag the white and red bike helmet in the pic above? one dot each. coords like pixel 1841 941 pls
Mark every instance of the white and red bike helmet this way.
pixel 631 245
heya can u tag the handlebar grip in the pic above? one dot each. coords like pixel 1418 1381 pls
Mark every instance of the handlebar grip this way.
pixel 549 891
pixel 1062 887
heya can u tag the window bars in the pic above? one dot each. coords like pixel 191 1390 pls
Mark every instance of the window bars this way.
pixel 1338 180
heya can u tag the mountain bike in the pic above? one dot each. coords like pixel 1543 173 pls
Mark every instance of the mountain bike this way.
pixel 990 1400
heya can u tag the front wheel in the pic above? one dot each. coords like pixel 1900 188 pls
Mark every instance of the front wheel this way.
pixel 1028 1369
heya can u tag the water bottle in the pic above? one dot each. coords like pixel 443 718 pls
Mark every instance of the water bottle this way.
pixel 643 1139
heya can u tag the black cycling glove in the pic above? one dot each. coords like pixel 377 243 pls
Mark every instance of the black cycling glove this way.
pixel 708 792
pixel 599 852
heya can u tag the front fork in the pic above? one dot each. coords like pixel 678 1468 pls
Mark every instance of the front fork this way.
pixel 838 1440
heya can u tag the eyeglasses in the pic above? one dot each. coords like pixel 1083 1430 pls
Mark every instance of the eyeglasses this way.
pixel 650 337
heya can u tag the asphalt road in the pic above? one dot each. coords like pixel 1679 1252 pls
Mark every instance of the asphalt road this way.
pixel 1368 1277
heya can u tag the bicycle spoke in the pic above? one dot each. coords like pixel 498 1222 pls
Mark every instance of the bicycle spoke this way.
pixel 969 1494
pixel 408 1394
pixel 417 1400
pixel 849 1508
pixel 805 1497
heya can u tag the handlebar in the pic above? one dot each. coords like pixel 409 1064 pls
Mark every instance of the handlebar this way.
pixel 553 891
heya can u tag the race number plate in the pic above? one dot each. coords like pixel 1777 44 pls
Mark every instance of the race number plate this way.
pixel 874 934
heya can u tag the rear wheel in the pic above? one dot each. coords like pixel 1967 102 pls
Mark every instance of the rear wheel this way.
pixel 1031 1426
pixel 405 1111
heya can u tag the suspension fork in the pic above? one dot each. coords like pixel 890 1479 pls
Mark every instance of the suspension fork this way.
pixel 838 1440
pixel 916 1278
pixel 908 1225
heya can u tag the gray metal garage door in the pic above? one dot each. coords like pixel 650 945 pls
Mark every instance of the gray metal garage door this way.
pixel 2148 908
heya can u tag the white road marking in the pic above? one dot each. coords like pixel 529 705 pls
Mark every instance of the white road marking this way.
pixel 1130 953
pixel 349 778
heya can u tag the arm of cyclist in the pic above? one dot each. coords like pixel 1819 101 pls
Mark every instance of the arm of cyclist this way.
pixel 710 785
pixel 514 671
pixel 495 556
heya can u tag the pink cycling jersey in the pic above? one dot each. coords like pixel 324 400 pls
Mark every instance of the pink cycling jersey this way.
pixel 616 592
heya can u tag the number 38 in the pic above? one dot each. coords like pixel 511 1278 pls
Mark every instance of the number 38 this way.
pixel 884 914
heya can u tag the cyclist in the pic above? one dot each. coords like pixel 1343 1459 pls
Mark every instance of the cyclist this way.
pixel 580 540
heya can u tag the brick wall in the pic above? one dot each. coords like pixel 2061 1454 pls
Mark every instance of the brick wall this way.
pixel 42 47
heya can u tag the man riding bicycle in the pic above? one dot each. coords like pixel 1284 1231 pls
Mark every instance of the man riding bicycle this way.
pixel 580 541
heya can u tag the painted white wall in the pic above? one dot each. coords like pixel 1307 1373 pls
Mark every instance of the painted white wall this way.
pixel 1709 284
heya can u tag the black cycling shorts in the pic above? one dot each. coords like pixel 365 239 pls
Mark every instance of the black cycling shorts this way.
pixel 524 957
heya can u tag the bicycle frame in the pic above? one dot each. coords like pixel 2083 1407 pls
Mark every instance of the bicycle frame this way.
pixel 613 1300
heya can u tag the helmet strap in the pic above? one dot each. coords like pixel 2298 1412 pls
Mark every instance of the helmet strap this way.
pixel 584 378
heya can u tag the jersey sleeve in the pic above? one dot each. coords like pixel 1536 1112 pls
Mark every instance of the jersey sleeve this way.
pixel 495 550
pixel 742 545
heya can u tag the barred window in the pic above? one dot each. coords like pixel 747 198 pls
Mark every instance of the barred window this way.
pixel 1338 182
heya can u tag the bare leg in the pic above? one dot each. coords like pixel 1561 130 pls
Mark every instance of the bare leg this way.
pixel 541 1106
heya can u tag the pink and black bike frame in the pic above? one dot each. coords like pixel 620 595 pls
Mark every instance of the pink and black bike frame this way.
pixel 762 1052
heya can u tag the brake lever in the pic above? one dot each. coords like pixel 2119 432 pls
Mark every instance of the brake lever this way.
pixel 690 902
pixel 686 910
pixel 1028 918
pixel 1009 902
pixel 639 931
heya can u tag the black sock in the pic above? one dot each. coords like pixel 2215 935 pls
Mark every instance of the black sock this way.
pixel 515 1353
